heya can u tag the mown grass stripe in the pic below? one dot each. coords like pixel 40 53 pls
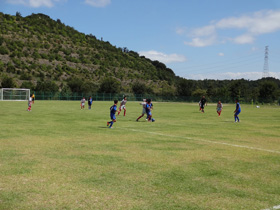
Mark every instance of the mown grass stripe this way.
pixel 208 141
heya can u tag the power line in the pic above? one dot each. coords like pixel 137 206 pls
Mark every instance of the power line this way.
pixel 224 66
pixel 219 71
pixel 226 62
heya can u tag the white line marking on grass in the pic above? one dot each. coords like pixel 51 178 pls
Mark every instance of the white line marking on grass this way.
pixel 208 141
pixel 274 207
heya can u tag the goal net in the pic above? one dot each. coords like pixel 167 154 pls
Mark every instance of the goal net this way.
pixel 14 94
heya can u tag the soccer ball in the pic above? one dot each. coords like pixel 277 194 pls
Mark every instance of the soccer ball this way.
pixel 153 120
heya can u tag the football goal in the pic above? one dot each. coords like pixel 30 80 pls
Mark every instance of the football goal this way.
pixel 14 94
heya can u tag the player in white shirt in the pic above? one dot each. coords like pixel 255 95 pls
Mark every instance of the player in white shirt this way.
pixel 122 106
pixel 83 103
pixel 219 108
pixel 143 110
pixel 29 103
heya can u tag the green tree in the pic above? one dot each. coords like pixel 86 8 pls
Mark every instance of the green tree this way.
pixel 8 82
pixel 89 87
pixel 27 85
pixel 235 89
pixel 25 76
pixel 139 87
pixel 211 90
pixel 110 85
pixel 65 92
pixel 184 87
pixel 47 86
pixel 199 92
pixel 75 85
pixel 1 40
pixel 4 50
pixel 268 91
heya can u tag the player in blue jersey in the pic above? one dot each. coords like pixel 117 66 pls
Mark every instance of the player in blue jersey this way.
pixel 113 110
pixel 149 107
pixel 237 111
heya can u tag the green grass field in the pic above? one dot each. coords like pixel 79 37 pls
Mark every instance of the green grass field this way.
pixel 61 157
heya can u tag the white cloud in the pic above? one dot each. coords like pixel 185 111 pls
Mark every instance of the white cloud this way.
pixel 204 31
pixel 221 54
pixel 232 75
pixel 202 42
pixel 181 30
pixel 244 39
pixel 250 26
pixel 164 58
pixel 98 3
pixel 34 3
pixel 257 23
pixel 233 22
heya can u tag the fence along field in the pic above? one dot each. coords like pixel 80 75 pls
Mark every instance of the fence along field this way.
pixel 60 157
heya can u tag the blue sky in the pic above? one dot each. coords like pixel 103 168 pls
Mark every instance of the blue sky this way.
pixel 197 39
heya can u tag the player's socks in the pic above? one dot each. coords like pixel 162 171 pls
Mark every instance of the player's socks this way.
pixel 108 123
pixel 124 112
pixel 237 118
pixel 111 124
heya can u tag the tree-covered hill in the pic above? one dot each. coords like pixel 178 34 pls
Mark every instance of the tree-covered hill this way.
pixel 36 49
pixel 43 54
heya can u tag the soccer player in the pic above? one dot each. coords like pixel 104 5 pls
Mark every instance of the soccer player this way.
pixel 203 102
pixel 219 108
pixel 113 110
pixel 29 103
pixel 122 106
pixel 33 98
pixel 237 110
pixel 83 103
pixel 143 110
pixel 89 102
pixel 149 107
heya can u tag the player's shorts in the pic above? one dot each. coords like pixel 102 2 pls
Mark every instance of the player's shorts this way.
pixel 113 116
pixel 219 109
pixel 149 113
pixel 238 112
pixel 83 104
pixel 144 111
pixel 122 107
pixel 202 106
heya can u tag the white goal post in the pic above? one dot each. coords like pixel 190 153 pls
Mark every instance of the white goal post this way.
pixel 14 94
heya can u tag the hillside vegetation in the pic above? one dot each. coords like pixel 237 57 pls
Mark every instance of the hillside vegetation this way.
pixel 43 54
pixel 36 49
